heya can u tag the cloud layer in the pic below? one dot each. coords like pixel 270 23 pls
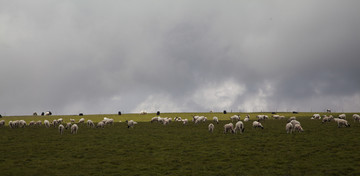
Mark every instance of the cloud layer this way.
pixel 104 57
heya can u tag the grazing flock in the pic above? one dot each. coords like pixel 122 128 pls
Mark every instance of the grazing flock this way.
pixel 292 124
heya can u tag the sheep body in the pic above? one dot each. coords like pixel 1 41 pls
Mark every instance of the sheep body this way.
pixel 61 128
pixel 289 128
pixel 211 127
pixel 216 119
pixel 239 126
pixel 257 124
pixel 74 129
pixel 229 128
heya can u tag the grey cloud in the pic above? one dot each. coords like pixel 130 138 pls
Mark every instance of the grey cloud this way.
pixel 103 57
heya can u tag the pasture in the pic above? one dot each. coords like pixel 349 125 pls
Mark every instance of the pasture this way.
pixel 177 149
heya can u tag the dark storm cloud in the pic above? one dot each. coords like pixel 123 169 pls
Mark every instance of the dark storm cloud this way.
pixel 101 57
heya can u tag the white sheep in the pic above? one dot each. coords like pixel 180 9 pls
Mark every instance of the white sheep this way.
pixel 342 116
pixel 294 122
pixel 74 129
pixel 316 116
pixel 46 123
pixel 326 119
pixel 200 119
pixel 235 117
pixel 229 128
pixel 342 122
pixel 246 119
pixel 90 123
pixel 239 126
pixel 211 127
pixel 81 121
pixel 108 121
pixel 292 118
pixel 32 123
pixel 72 120
pixel 2 123
pixel 276 116
pixel 289 128
pixel 298 128
pixel 22 123
pixel 61 128
pixel 262 117
pixel 39 123
pixel 185 121
pixel 131 123
pixel 154 119
pixel 356 117
pixel 60 121
pixel 68 125
pixel 194 118
pixel 100 125
pixel 215 119
pixel 281 117
pixel 54 122
pixel 257 124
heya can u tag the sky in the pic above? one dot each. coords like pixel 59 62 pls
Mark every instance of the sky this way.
pixel 101 57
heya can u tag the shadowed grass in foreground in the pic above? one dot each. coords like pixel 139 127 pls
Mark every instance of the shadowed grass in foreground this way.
pixel 155 149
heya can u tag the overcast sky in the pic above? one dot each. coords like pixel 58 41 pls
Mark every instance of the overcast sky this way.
pixel 178 56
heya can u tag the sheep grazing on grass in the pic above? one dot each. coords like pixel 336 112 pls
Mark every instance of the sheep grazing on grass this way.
pixel 35 114
pixel 54 123
pixel 2 123
pixel 131 123
pixel 74 129
pixel 166 121
pixel 60 121
pixel 154 119
pixel 61 128
pixel 215 119
pixel 48 113
pixel 38 123
pixel 32 123
pixel 239 126
pixel 276 116
pixel 327 119
pixel 342 116
pixel 235 117
pixel 72 120
pixel 247 118
pixel 342 122
pixel 108 121
pixel 356 117
pixel 81 121
pixel 292 118
pixel 211 127
pixel 47 123
pixel 22 123
pixel 178 119
pixel 298 128
pixel 316 116
pixel 294 122
pixel 229 128
pixel 194 118
pixel 68 125
pixel 90 123
pixel 289 128
pixel 281 117
pixel 185 121
pixel 257 124
pixel 100 125
pixel 200 119
pixel 262 117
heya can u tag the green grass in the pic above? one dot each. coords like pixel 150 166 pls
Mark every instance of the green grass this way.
pixel 155 149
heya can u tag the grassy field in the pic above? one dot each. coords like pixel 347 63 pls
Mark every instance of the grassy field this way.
pixel 155 149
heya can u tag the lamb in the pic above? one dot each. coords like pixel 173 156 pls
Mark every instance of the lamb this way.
pixel 68 125
pixel 194 118
pixel 292 118
pixel 215 119
pixel 100 125
pixel 72 120
pixel 74 129
pixel 247 118
pixel 200 119
pixel 90 124
pixel 46 123
pixel 108 121
pixel 11 124
pixel 257 124
pixel 178 119
pixel 2 123
pixel 166 121
pixel 60 121
pixel 235 117
pixel 131 123
pixel 61 129
pixel 229 128
pixel 261 117
pixel 342 116
pixel 211 127
pixel 239 126
pixel 343 122
pixel 356 117
pixel 289 128
pixel 298 128
pixel 276 116
pixel 55 122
